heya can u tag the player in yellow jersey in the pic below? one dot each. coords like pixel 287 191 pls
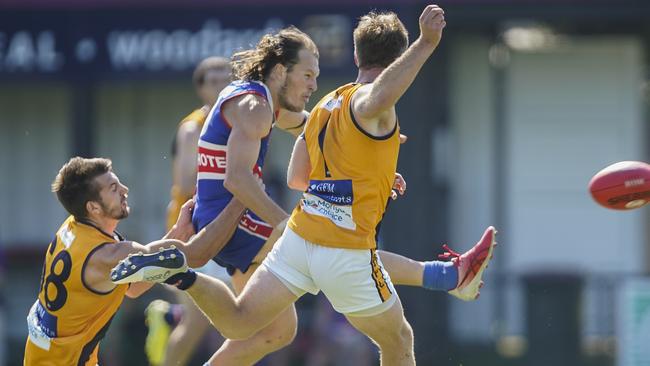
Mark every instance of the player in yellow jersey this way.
pixel 77 300
pixel 163 345
pixel 346 164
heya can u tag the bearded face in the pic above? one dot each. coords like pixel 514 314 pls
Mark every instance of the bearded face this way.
pixel 116 211
pixel 113 196
pixel 300 83
pixel 286 101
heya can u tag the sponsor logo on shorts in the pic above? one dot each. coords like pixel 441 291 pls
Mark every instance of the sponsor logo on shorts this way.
pixel 255 227
pixel 378 277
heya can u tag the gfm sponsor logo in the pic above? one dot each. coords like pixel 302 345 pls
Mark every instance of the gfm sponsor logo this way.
pixel 325 187
pixel 337 192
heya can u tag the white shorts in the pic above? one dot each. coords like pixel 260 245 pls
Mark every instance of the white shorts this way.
pixel 353 280
pixel 214 270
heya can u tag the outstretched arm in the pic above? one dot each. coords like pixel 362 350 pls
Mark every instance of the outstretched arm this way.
pixel 198 251
pixel 382 94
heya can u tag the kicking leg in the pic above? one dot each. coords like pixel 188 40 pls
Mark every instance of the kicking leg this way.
pixel 273 337
pixel 264 298
pixel 402 270
pixel 193 325
pixel 462 276
pixel 261 302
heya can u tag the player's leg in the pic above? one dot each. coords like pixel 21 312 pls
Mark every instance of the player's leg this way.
pixel 403 271
pixel 175 330
pixel 261 302
pixel 273 337
pixel 287 263
pixel 391 332
pixel 357 285
pixel 462 276
pixel 264 298
pixel 193 325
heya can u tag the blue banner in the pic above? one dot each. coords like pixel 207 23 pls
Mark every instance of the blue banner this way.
pixel 163 43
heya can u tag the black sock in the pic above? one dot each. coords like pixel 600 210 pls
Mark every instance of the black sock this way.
pixel 182 281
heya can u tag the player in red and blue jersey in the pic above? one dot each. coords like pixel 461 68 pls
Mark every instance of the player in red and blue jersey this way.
pixel 236 136
pixel 212 196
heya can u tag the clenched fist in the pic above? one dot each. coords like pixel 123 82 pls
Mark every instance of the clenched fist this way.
pixel 432 21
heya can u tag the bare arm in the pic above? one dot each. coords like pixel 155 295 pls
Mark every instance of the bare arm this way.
pixel 292 122
pixel 382 94
pixel 182 230
pixel 198 251
pixel 139 288
pixel 212 238
pixel 187 139
pixel 251 118
pixel 299 166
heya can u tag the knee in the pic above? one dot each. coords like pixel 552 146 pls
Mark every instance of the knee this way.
pixel 242 327
pixel 287 335
pixel 239 326
pixel 401 339
pixel 405 335
pixel 239 331
pixel 274 336
pixel 280 336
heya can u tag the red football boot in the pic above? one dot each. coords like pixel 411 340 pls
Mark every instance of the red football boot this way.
pixel 471 265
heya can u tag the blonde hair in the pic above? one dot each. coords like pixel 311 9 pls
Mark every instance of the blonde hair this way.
pixel 279 48
pixel 379 39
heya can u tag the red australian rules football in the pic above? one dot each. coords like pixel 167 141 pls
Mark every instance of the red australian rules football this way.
pixel 622 186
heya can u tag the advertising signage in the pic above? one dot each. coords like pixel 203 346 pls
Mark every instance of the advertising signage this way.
pixel 141 44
